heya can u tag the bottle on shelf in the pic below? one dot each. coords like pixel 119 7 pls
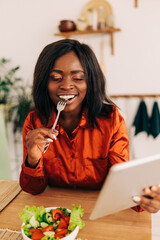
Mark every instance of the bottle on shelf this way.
pixel 101 20
pixel 95 18
pixel 92 19
pixel 89 19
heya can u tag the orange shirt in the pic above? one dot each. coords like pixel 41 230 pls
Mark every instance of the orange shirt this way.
pixel 81 161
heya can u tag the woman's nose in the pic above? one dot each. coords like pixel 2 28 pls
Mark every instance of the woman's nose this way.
pixel 66 83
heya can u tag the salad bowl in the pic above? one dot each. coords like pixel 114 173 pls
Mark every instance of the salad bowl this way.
pixel 69 236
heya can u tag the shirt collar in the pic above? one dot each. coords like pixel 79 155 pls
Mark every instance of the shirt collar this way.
pixel 84 122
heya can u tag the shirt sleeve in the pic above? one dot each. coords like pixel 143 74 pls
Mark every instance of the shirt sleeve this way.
pixel 119 147
pixel 137 208
pixel 32 180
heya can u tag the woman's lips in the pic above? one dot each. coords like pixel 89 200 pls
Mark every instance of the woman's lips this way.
pixel 68 98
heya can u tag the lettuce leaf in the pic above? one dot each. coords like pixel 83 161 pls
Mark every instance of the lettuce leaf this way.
pixel 27 232
pixel 28 212
pixel 75 218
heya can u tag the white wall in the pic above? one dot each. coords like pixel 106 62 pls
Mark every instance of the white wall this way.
pixel 26 26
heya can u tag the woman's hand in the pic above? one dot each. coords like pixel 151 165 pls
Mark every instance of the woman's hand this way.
pixel 150 203
pixel 36 141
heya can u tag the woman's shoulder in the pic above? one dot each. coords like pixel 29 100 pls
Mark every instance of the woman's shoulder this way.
pixel 110 110
pixel 114 118
pixel 32 114
pixel 33 120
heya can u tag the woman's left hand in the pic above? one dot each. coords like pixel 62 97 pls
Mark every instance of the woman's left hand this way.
pixel 151 203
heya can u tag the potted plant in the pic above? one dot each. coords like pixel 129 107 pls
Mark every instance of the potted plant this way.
pixel 7 80
pixel 15 98
pixel 19 111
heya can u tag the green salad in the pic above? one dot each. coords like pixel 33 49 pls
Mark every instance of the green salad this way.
pixel 53 225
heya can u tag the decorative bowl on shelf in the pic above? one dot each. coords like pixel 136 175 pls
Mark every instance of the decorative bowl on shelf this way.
pixel 67 26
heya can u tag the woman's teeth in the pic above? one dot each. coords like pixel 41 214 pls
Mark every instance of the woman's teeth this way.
pixel 67 97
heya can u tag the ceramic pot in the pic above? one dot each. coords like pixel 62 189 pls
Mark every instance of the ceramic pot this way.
pixel 67 26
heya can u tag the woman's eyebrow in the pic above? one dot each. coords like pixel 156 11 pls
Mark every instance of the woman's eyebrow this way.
pixel 77 71
pixel 72 72
pixel 56 70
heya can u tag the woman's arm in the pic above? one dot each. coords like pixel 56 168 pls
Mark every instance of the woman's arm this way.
pixel 119 146
pixel 33 178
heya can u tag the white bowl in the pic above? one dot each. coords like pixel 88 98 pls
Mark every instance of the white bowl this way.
pixel 71 236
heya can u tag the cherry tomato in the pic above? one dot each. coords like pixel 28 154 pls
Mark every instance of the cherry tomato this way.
pixel 48 228
pixel 56 214
pixel 62 224
pixel 67 219
pixel 37 235
pixel 61 233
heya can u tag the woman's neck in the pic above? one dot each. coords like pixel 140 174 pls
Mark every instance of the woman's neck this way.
pixel 69 121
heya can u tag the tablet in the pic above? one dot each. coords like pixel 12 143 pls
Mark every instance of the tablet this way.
pixel 124 181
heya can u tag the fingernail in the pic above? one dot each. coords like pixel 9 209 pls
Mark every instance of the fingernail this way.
pixel 49 140
pixel 136 199
pixel 158 185
pixel 55 130
pixel 154 188
pixel 54 136
pixel 147 190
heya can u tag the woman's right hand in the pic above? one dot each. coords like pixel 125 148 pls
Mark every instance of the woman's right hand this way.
pixel 36 141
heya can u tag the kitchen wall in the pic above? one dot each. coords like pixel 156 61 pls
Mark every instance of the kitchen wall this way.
pixel 26 26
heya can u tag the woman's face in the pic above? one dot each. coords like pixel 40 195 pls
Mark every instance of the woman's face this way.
pixel 68 81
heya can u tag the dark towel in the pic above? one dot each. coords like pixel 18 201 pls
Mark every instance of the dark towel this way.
pixel 141 121
pixel 155 120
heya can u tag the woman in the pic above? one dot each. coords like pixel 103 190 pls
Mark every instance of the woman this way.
pixel 91 134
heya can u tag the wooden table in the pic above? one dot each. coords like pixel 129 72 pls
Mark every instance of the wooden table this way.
pixel 125 225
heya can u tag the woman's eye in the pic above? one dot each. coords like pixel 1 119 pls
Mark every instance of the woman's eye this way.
pixel 54 78
pixel 78 78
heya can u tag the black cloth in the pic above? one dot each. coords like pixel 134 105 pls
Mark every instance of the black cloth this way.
pixel 155 121
pixel 142 121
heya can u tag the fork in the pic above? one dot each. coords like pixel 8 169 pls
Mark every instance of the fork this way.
pixel 60 107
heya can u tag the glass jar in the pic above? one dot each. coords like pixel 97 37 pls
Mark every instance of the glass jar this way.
pixel 81 24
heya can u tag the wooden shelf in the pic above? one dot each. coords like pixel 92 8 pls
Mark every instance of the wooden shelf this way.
pixel 135 96
pixel 102 31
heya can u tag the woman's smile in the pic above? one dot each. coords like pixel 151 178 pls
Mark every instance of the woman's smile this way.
pixel 67 98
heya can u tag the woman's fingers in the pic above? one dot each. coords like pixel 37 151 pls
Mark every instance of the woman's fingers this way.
pixel 45 132
pixel 149 208
pixel 150 205
pixel 37 140
pixel 150 201
pixel 153 191
pixel 41 135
